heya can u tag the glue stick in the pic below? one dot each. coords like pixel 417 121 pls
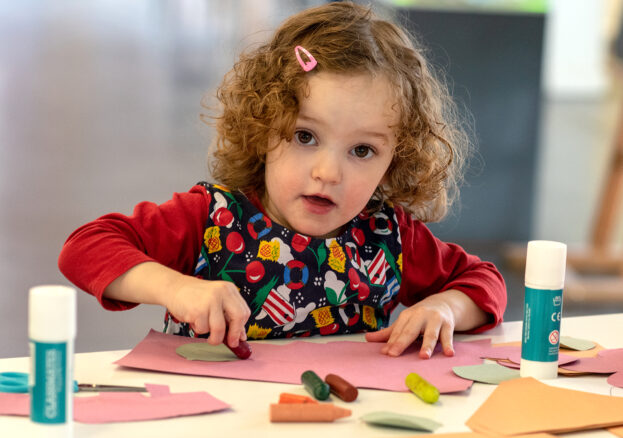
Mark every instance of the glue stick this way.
pixel 52 330
pixel 544 281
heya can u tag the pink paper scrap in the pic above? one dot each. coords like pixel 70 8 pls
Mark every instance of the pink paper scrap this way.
pixel 616 379
pixel 606 362
pixel 14 404
pixel 112 407
pixel 513 353
pixel 361 363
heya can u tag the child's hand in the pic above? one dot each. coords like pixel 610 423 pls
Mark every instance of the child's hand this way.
pixel 436 317
pixel 210 306
pixel 432 316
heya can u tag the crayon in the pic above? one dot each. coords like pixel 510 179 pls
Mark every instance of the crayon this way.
pixel 315 385
pixel 422 388
pixel 286 397
pixel 243 350
pixel 341 388
pixel 306 412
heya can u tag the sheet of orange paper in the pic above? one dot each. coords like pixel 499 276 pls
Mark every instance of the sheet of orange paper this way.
pixel 482 435
pixel 618 431
pixel 523 406
pixel 361 363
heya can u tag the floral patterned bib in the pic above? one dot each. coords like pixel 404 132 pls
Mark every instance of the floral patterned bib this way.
pixel 297 285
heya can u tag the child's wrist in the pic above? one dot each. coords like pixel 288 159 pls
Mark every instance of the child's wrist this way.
pixel 171 288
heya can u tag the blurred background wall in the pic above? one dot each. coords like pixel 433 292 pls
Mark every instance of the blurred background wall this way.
pixel 100 104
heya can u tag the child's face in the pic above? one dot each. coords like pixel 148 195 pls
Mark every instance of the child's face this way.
pixel 343 144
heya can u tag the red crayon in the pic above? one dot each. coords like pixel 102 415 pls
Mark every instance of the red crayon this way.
pixel 243 350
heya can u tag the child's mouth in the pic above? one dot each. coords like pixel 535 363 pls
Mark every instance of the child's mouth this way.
pixel 319 201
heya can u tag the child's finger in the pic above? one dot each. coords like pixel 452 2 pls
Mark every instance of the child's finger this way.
pixel 445 337
pixel 429 339
pixel 404 334
pixel 380 336
pixel 200 325
pixel 217 327
pixel 236 313
pixel 235 332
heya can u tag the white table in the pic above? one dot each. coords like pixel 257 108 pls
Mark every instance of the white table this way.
pixel 249 400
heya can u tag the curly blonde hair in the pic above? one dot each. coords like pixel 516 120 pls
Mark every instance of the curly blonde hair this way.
pixel 259 99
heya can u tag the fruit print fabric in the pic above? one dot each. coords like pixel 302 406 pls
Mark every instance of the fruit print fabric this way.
pixel 297 285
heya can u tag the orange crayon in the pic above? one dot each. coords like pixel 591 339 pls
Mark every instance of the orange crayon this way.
pixel 286 397
pixel 306 412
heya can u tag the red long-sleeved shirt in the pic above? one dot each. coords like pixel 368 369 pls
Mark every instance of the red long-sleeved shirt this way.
pixel 172 233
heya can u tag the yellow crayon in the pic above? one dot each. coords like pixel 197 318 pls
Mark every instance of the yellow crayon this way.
pixel 422 388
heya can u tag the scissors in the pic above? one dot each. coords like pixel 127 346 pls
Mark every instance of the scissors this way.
pixel 11 381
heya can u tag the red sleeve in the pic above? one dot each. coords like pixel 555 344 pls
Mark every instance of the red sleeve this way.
pixel 170 234
pixel 431 266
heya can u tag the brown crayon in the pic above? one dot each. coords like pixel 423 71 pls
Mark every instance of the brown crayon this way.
pixel 341 388
pixel 286 397
pixel 306 412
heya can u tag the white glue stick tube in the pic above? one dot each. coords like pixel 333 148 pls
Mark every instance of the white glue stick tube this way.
pixel 52 330
pixel 544 281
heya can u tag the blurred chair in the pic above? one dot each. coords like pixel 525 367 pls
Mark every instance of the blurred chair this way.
pixel 595 273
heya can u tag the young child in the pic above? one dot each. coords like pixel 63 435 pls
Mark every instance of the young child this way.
pixel 335 141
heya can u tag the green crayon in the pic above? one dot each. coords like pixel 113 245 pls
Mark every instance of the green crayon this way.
pixel 315 385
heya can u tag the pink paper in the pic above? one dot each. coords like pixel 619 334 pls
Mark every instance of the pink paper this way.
pixel 606 362
pixel 110 407
pixel 513 353
pixel 361 363
pixel 512 365
pixel 616 379
pixel 134 406
pixel 157 390
pixel 14 404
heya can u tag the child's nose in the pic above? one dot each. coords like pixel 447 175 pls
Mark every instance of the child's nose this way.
pixel 326 167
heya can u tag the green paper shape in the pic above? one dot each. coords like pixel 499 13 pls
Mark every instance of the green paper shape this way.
pixel 576 343
pixel 491 373
pixel 401 421
pixel 206 352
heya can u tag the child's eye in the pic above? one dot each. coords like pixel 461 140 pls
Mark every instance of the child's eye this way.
pixel 362 151
pixel 304 137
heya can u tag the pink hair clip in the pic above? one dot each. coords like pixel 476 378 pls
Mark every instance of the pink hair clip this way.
pixel 310 64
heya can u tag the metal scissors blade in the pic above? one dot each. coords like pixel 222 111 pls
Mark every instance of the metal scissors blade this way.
pixel 12 381
pixel 94 387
